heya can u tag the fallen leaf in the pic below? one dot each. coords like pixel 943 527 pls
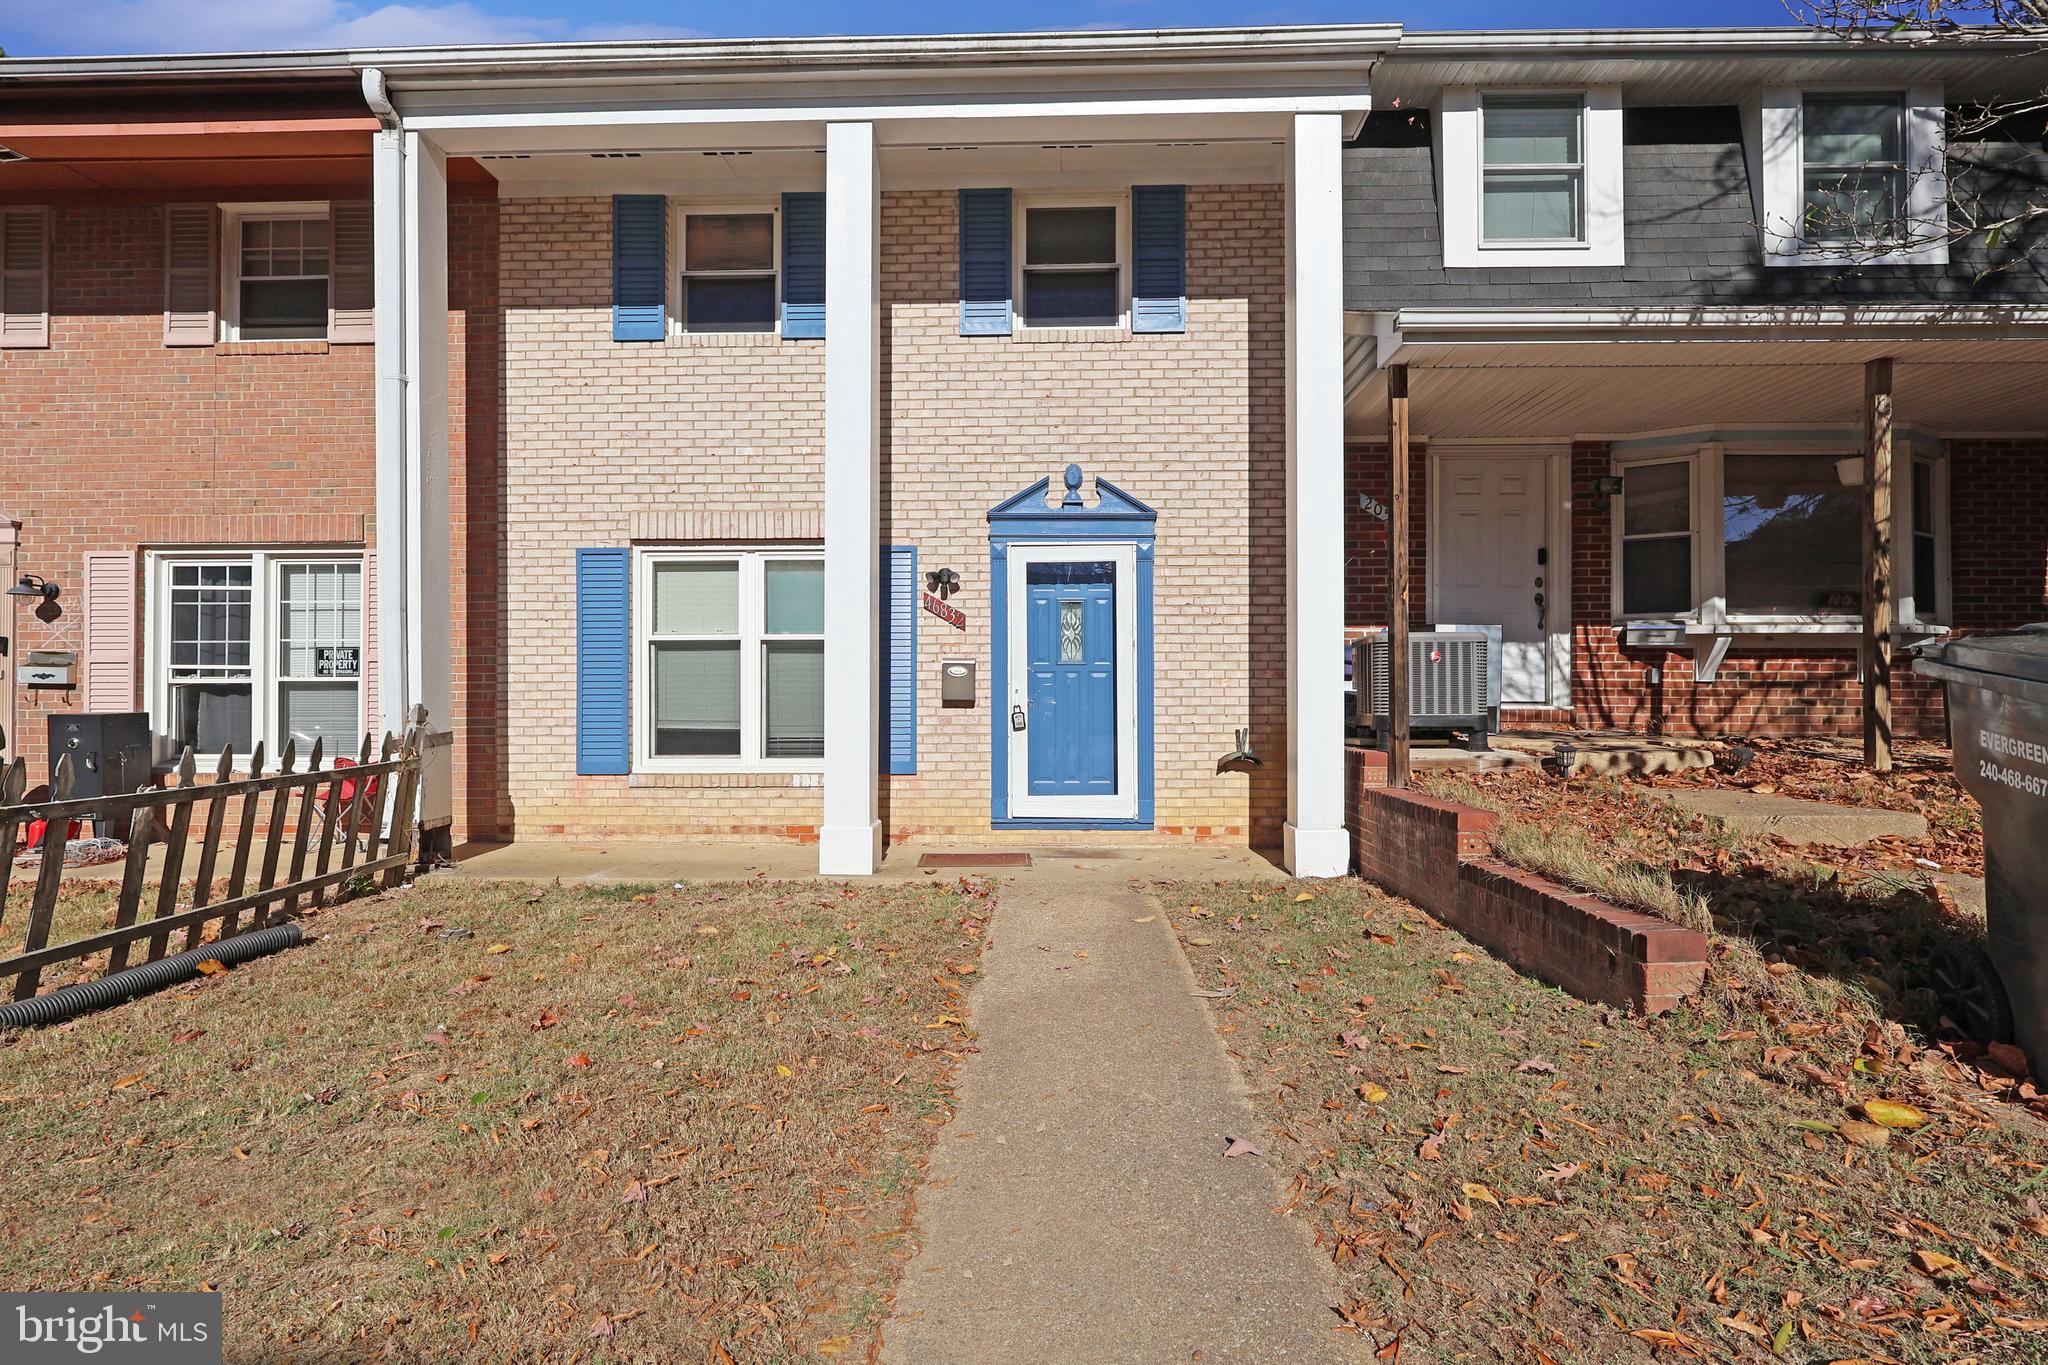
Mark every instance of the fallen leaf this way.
pixel 1936 1264
pixel 580 1059
pixel 1432 1148
pixel 497 948
pixel 126 1081
pixel 1892 1114
pixel 635 1193
pixel 190 1035
pixel 1535 1066
pixel 1306 896
pixel 1562 1171
pixel 1479 1194
pixel 1864 1134
pixel 1243 1147
pixel 211 967
pixel 1372 1093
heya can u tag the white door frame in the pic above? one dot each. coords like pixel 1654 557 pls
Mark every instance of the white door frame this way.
pixel 1124 804
pixel 1557 532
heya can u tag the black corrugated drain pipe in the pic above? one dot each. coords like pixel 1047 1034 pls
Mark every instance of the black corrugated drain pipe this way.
pixel 66 1001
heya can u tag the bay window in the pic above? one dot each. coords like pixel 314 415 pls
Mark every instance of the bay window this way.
pixel 733 651
pixel 256 645
pixel 1771 539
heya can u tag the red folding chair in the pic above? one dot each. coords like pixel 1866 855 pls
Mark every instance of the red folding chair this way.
pixel 333 810
pixel 32 835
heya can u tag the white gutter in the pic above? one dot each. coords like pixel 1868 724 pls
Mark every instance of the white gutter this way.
pixel 1712 323
pixel 378 98
pixel 1693 42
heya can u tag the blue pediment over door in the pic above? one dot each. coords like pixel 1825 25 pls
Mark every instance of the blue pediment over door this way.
pixel 1115 514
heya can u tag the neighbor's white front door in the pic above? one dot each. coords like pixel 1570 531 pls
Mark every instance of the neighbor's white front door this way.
pixel 1487 565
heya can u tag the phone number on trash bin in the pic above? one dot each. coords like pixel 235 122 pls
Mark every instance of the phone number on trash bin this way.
pixel 2018 781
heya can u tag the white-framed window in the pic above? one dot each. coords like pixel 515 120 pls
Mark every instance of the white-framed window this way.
pixel 1531 177
pixel 730 667
pixel 278 269
pixel 730 259
pixel 1073 261
pixel 1657 539
pixel 248 645
pixel 1766 537
pixel 1850 176
pixel 1532 170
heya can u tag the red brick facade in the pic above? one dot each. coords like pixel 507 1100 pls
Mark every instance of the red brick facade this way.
pixel 111 440
pixel 1999 572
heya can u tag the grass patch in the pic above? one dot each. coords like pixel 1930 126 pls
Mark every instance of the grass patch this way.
pixel 1564 853
pixel 1501 1172
pixel 500 1122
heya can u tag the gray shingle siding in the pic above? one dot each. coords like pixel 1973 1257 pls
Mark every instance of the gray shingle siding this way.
pixel 1690 225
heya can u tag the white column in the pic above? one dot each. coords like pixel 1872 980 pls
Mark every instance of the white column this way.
pixel 393 692
pixel 413 604
pixel 850 839
pixel 1315 839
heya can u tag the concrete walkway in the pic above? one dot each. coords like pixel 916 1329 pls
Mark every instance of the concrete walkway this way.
pixel 1080 1207
pixel 1798 819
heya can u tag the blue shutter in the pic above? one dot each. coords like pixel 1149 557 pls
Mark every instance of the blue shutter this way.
pixel 803 265
pixel 899 659
pixel 1159 258
pixel 984 263
pixel 604 650
pixel 639 267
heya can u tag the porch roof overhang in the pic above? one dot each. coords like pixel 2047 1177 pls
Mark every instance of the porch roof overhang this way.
pixel 1505 375
pixel 1183 86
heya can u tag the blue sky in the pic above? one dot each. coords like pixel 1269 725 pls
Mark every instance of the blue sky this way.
pixel 53 27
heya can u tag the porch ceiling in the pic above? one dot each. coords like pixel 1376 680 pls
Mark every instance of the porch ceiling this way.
pixel 1554 391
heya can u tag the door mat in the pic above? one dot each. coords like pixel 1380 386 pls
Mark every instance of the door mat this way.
pixel 975 860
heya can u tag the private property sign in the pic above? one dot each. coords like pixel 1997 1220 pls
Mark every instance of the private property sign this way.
pixel 951 615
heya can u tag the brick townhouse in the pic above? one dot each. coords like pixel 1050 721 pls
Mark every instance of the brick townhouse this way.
pixel 854 439
pixel 187 403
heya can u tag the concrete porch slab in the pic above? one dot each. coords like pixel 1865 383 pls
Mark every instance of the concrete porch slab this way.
pixel 1799 820
pixel 681 860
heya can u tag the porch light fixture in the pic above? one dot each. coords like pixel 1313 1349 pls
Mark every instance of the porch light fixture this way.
pixel 1605 489
pixel 31 586
pixel 1850 471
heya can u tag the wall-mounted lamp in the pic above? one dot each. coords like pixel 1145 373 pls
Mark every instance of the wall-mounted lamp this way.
pixel 1605 489
pixel 41 589
pixel 944 582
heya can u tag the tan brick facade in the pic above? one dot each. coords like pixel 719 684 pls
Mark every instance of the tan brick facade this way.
pixel 606 441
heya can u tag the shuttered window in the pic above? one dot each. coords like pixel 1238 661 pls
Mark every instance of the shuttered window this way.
pixel 985 263
pixel 352 317
pixel 898 627
pixel 24 277
pixel 1159 264
pixel 728 276
pixel 639 267
pixel 604 645
pixel 1072 271
pixel 803 265
pixel 190 256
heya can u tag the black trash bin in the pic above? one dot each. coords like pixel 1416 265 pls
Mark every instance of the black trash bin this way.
pixel 1998 725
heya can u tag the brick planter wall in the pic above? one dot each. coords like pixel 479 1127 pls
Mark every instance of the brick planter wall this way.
pixel 1437 854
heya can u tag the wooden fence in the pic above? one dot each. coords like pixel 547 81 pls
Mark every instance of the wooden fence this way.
pixel 287 862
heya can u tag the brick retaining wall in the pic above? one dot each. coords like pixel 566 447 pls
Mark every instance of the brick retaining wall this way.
pixel 1438 854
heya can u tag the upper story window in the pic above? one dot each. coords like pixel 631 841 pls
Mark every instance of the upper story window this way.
pixel 1851 177
pixel 1532 168
pixel 1072 264
pixel 1852 166
pixel 1531 178
pixel 279 273
pixel 729 271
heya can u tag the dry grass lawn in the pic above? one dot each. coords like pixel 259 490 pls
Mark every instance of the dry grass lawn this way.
pixel 1503 1173
pixel 501 1122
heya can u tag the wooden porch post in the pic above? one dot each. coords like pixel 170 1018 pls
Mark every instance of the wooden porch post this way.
pixel 1397 548
pixel 1877 565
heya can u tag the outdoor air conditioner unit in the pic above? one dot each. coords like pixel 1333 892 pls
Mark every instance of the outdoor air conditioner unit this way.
pixel 1453 683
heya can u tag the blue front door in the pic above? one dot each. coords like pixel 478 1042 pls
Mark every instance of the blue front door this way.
pixel 1070 656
